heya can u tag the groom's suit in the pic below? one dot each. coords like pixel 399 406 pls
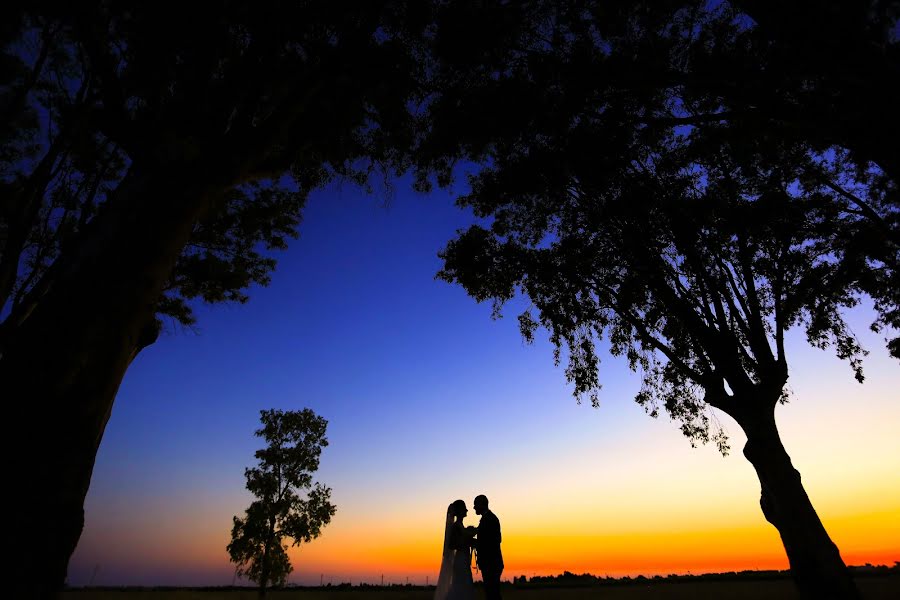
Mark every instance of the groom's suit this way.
pixel 490 559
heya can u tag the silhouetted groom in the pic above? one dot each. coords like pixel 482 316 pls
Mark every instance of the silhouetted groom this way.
pixel 490 559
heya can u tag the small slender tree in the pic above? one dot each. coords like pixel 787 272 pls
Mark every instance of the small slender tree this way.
pixel 288 503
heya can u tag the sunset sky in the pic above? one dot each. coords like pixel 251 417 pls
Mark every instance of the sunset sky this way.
pixel 429 400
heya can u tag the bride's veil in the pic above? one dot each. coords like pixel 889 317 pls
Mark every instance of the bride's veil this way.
pixel 446 576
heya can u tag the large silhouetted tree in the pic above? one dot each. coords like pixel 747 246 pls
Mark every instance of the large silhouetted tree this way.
pixel 689 184
pixel 695 275
pixel 288 504
pixel 153 153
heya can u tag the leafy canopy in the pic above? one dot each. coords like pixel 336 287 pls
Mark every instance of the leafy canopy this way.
pixel 266 104
pixel 631 201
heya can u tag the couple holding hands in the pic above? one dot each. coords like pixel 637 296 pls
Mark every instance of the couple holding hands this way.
pixel 455 580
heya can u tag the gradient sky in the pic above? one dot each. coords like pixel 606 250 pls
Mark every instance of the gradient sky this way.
pixel 429 400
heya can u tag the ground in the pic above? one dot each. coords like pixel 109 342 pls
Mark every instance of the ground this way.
pixel 872 588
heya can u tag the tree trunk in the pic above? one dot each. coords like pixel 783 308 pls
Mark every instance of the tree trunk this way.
pixel 265 570
pixel 816 564
pixel 61 368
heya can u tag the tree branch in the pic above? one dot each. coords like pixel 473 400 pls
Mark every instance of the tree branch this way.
pixel 644 332
pixel 710 338
pixel 21 95
pixel 863 206
pixel 692 119
pixel 759 343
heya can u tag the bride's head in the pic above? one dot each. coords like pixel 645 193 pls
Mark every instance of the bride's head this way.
pixel 458 509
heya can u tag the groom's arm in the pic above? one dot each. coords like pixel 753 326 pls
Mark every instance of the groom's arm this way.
pixel 489 533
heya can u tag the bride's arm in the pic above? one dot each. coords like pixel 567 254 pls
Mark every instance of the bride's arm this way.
pixel 459 538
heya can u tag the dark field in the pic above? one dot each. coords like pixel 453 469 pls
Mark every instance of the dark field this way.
pixel 872 588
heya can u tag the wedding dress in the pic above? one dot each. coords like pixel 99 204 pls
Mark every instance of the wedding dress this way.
pixel 455 579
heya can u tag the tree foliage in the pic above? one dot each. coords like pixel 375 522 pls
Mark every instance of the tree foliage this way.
pixel 154 154
pixel 143 147
pixel 288 504
pixel 92 93
pixel 687 183
pixel 591 94
pixel 693 269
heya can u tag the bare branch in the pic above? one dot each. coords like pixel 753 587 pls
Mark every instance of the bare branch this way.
pixel 864 208
pixel 638 324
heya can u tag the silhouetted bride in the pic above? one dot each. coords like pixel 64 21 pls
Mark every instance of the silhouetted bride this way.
pixel 455 580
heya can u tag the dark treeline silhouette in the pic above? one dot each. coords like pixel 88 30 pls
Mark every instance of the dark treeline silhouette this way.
pixel 143 148
pixel 567 579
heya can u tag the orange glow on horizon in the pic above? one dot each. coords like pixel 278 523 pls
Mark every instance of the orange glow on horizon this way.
pixel 863 539
pixel 619 496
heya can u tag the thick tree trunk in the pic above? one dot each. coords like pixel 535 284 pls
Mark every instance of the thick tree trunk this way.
pixel 61 368
pixel 816 564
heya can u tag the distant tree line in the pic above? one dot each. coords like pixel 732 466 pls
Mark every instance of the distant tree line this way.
pixel 568 579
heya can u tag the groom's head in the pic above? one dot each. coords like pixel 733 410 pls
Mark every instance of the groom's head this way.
pixel 481 504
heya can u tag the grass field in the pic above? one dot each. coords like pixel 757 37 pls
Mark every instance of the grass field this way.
pixel 872 588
